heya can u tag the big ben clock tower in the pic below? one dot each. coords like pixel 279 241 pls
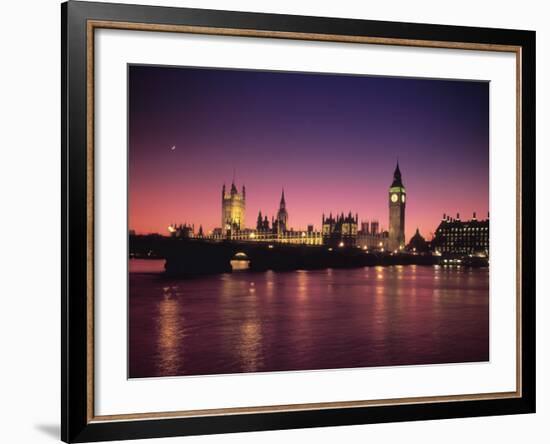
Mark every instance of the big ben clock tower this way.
pixel 397 202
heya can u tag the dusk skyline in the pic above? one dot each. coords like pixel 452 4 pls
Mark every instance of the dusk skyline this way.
pixel 331 141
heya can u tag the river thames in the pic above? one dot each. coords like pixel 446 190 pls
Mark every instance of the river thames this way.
pixel 305 320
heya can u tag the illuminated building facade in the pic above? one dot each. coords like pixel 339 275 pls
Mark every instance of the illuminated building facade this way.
pixel 397 201
pixel 369 237
pixel 270 236
pixel 278 232
pixel 457 237
pixel 340 231
pixel 337 231
pixel 233 209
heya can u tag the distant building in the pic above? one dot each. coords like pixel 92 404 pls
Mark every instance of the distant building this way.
pixel 417 244
pixel 457 237
pixel 397 197
pixel 200 234
pixel 340 231
pixel 233 209
pixel 278 232
pixel 273 237
pixel 262 224
pixel 182 231
pixel 369 237
pixel 281 223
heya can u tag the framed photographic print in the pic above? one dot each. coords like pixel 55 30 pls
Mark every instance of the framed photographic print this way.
pixel 277 221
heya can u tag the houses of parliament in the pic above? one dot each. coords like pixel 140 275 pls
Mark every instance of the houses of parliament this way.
pixel 337 230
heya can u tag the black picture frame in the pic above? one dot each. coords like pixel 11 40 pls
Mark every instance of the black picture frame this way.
pixel 76 423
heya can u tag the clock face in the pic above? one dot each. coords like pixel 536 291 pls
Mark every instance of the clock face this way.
pixel 394 198
pixel 403 198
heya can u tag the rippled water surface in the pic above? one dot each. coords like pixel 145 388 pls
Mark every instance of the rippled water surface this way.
pixel 305 320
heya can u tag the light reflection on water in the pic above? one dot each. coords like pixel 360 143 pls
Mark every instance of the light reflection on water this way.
pixel 277 321
pixel 170 327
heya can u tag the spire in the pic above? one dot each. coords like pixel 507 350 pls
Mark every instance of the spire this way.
pixel 233 186
pixel 283 203
pixel 397 177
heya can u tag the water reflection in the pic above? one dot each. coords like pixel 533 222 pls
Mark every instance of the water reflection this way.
pixel 249 322
pixel 170 347
pixel 250 346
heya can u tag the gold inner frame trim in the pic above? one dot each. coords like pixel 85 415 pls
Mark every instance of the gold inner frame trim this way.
pixel 97 24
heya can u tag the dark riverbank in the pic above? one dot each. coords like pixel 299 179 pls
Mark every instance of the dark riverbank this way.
pixel 197 257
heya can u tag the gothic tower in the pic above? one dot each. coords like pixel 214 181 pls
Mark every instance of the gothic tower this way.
pixel 397 198
pixel 233 206
pixel 282 215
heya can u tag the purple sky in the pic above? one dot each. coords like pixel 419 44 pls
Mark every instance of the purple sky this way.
pixel 330 140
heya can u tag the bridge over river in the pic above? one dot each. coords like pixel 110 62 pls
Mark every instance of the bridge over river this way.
pixel 195 256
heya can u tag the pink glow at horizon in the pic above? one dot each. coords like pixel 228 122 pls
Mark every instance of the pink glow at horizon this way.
pixel 330 141
pixel 177 200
